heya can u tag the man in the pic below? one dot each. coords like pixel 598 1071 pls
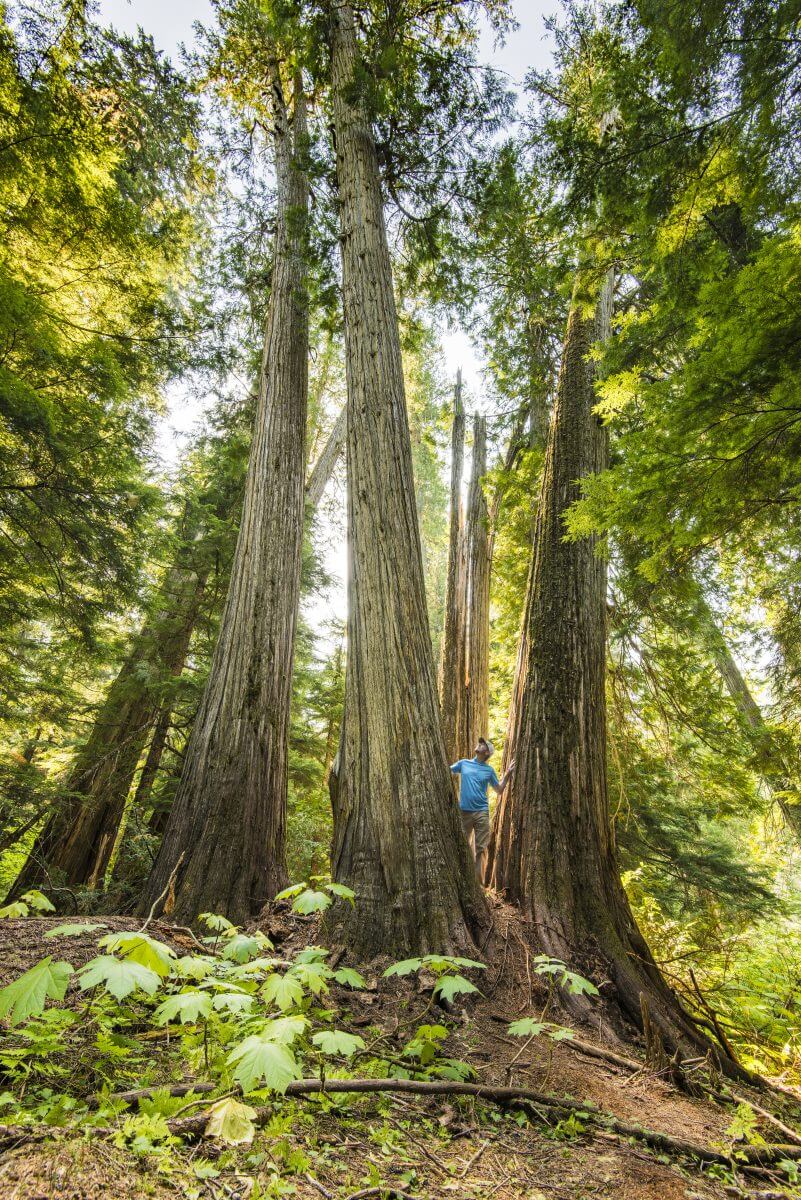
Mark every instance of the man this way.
pixel 477 775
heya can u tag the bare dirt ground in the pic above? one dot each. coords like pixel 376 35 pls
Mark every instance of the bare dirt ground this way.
pixel 419 1147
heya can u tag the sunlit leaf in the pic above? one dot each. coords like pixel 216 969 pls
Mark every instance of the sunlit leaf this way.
pixel 38 901
pixel 216 922
pixel 231 1122
pixel 314 976
pixel 454 985
pixel 349 978
pixel 311 902
pixel 26 997
pixel 339 889
pixel 243 946
pixel 284 991
pixel 119 976
pixel 293 890
pixel 142 949
pixel 405 967
pixel 189 1006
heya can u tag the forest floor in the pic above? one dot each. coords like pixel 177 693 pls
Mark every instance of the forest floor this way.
pixel 415 1147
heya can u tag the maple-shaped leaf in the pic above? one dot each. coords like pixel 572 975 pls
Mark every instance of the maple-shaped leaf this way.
pixel 231 1122
pixel 337 1041
pixel 142 949
pixel 349 978
pixel 26 997
pixel 454 985
pixel 188 1006
pixel 284 991
pixel 119 976
pixel 259 1060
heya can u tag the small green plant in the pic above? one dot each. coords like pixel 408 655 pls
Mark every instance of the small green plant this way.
pixel 570 1128
pixel 577 985
pixel 449 982
pixel 22 908
pixel 307 899
pixel 743 1127
pixel 527 1027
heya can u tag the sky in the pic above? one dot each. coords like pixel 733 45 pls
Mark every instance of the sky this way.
pixel 171 24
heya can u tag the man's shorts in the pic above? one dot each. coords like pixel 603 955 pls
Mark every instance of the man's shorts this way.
pixel 477 824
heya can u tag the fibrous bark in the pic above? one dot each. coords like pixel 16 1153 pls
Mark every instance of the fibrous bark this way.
pixel 316 483
pixel 397 840
pixel 452 656
pixel 553 849
pixel 228 816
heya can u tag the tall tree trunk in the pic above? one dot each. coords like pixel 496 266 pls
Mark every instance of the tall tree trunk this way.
pixel 452 664
pixel 225 838
pixel 554 847
pixel 537 420
pixel 316 483
pixel 78 837
pixel 479 562
pixel 397 839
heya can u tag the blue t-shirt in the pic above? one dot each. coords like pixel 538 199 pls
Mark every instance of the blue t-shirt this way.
pixel 476 778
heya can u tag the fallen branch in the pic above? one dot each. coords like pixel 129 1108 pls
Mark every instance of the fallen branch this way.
pixel 517 1097
pixel 195 1126
pixel 315 1183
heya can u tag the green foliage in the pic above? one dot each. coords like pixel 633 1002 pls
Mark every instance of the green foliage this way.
pixel 26 996
pixel 231 1121
pixel 528 1027
pixel 29 900
pixel 575 984
pixel 264 1059
pixel 95 223
pixel 338 1042
pixel 119 977
pixel 307 900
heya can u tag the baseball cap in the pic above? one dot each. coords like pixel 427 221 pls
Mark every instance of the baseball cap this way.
pixel 489 745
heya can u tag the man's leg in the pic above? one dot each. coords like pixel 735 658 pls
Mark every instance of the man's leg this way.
pixel 467 829
pixel 481 833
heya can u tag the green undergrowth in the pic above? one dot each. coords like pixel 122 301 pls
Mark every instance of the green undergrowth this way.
pixel 233 1024
pixel 232 1016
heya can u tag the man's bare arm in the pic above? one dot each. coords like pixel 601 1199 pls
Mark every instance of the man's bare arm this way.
pixel 507 775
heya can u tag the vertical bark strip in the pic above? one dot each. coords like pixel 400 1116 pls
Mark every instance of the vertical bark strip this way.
pixel 397 839
pixel 452 665
pixel 75 844
pixel 229 812
pixel 554 848
pixel 479 561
